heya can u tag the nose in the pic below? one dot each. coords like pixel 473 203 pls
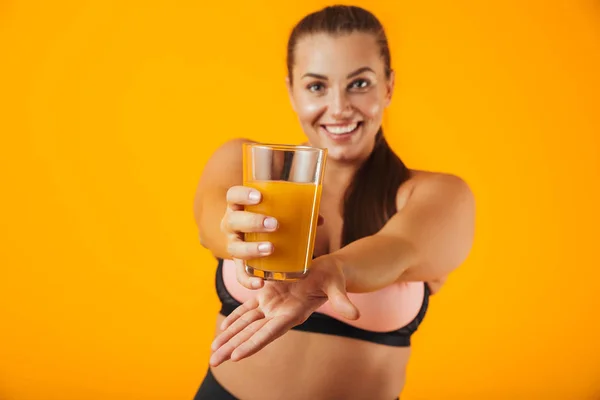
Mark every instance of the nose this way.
pixel 341 107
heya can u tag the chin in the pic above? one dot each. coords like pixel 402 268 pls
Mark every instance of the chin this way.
pixel 347 153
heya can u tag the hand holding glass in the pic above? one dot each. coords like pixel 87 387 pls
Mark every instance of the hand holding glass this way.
pixel 290 181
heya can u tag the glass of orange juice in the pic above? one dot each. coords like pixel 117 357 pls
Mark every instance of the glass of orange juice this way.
pixel 290 180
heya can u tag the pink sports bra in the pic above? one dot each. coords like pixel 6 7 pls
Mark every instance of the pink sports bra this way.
pixel 388 316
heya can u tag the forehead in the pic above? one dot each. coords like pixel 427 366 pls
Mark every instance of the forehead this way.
pixel 337 54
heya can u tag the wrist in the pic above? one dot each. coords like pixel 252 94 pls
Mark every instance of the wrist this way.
pixel 328 267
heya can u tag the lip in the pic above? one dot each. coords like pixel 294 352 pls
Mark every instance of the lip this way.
pixel 340 138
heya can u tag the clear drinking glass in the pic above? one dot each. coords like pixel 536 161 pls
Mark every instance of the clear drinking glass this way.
pixel 290 180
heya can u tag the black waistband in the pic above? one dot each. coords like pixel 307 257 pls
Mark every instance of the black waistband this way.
pixel 322 323
pixel 211 389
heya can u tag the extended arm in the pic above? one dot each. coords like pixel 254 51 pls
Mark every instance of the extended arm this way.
pixel 429 236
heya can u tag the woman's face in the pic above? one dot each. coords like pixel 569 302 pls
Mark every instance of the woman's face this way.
pixel 339 91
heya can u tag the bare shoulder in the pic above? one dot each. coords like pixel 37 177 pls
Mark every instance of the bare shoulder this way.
pixel 442 203
pixel 225 163
pixel 430 178
pixel 434 185
pixel 228 152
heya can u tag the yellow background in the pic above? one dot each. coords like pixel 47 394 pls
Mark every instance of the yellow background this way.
pixel 109 110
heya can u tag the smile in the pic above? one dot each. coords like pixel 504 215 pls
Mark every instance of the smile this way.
pixel 342 129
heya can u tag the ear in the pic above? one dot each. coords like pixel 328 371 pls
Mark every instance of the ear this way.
pixel 288 84
pixel 390 88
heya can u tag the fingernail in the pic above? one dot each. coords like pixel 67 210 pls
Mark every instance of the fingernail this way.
pixel 254 195
pixel 213 346
pixel 270 223
pixel 256 284
pixel 265 248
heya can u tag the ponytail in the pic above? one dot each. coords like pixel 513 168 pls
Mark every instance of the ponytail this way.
pixel 370 200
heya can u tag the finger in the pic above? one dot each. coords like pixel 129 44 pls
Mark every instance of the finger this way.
pixel 340 301
pixel 225 351
pixel 236 327
pixel 320 221
pixel 245 221
pixel 243 195
pixel 247 281
pixel 237 248
pixel 238 312
pixel 264 335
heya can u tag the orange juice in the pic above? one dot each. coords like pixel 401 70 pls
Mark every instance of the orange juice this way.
pixel 296 208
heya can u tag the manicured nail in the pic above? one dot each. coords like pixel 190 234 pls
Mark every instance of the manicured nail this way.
pixel 265 248
pixel 270 223
pixel 254 195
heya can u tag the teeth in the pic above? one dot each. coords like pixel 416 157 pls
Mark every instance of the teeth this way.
pixel 341 129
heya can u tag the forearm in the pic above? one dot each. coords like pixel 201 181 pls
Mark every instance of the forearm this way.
pixel 222 171
pixel 209 226
pixel 374 262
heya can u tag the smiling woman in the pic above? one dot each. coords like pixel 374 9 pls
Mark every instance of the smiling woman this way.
pixel 350 77
pixel 390 236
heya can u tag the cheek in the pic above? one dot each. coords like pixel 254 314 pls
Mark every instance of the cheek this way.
pixel 370 105
pixel 309 109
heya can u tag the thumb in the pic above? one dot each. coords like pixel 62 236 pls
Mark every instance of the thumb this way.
pixel 339 300
pixel 243 278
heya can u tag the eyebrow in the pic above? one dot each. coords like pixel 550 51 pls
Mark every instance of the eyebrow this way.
pixel 350 75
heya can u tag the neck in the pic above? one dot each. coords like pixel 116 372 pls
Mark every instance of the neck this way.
pixel 338 176
pixel 339 173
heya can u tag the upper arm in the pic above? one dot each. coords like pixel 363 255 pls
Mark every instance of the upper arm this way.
pixel 223 170
pixel 437 219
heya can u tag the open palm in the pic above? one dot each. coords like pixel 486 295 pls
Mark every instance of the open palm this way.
pixel 278 307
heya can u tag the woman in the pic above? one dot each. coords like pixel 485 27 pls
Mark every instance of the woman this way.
pixel 388 238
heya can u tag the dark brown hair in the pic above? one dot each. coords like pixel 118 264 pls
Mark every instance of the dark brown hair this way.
pixel 370 200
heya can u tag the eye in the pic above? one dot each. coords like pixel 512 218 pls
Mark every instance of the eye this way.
pixel 360 84
pixel 315 87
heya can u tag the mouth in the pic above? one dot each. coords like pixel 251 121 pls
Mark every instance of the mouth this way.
pixel 340 132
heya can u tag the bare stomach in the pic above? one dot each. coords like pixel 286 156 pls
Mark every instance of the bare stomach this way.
pixel 304 365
